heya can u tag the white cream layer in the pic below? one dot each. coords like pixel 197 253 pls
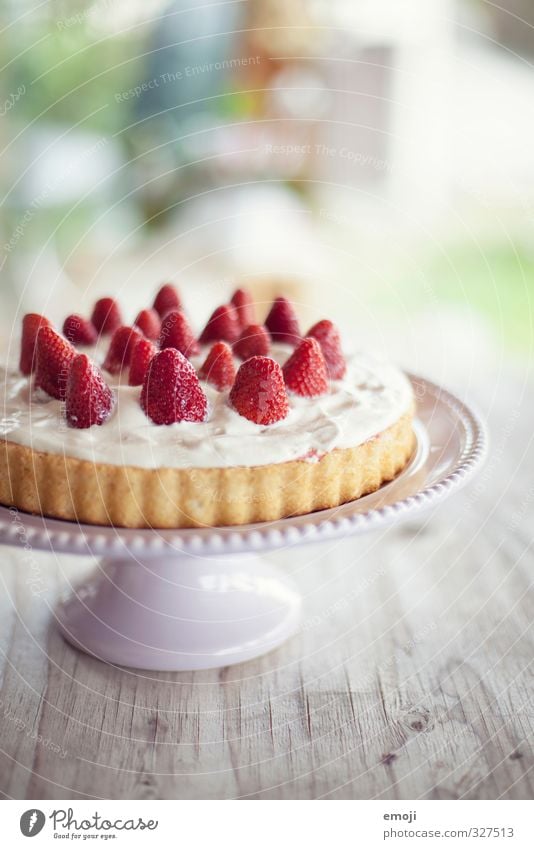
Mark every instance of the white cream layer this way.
pixel 370 398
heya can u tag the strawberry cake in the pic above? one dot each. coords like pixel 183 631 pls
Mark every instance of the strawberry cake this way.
pixel 153 425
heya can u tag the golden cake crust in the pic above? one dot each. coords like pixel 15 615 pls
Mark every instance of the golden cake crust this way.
pixel 131 497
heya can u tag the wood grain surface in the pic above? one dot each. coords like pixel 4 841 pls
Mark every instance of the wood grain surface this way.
pixel 410 678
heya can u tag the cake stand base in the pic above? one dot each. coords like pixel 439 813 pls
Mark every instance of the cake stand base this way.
pixel 180 612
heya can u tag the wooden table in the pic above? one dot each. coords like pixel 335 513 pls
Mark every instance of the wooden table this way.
pixel 411 677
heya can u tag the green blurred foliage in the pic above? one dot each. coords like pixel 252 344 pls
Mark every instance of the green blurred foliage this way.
pixel 70 73
pixel 497 281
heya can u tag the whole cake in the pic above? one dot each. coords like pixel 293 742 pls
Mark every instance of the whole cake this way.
pixel 148 425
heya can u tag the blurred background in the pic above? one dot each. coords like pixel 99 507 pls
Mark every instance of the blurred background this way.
pixel 372 158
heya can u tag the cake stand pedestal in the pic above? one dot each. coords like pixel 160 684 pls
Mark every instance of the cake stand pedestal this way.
pixel 180 612
pixel 204 598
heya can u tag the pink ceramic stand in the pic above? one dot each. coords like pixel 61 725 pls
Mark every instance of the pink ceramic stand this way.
pixel 192 599
pixel 181 612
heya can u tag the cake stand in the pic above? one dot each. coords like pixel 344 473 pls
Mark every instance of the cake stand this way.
pixel 203 598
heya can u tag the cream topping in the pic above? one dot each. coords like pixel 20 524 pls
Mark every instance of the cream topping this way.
pixel 372 396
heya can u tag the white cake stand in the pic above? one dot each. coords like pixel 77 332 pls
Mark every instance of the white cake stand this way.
pixel 196 599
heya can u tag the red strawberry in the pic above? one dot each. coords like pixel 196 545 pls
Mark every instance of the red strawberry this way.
pixel 282 323
pixel 253 342
pixel 142 353
pixel 171 391
pixel 166 300
pixel 106 316
pixel 259 393
pixel 54 355
pixel 149 323
pixel 222 325
pixel 242 301
pixel 120 349
pixel 31 323
pixel 176 333
pixel 79 330
pixel 305 370
pixel 88 400
pixel 218 368
pixel 328 337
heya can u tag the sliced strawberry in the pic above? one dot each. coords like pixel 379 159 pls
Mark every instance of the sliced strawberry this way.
pixel 79 330
pixel 305 370
pixel 106 316
pixel 142 353
pixel 88 400
pixel 176 333
pixel 54 355
pixel 259 393
pixel 328 337
pixel 120 349
pixel 218 368
pixel 282 322
pixel 222 326
pixel 166 300
pixel 149 323
pixel 171 390
pixel 253 342
pixel 244 306
pixel 31 323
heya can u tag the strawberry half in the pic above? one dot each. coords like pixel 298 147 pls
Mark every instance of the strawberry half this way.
pixel 31 324
pixel 88 400
pixel 149 323
pixel 171 390
pixel 176 333
pixel 79 330
pixel 222 326
pixel 305 370
pixel 218 367
pixel 53 359
pixel 244 307
pixel 282 322
pixel 166 300
pixel 106 316
pixel 144 350
pixel 120 350
pixel 253 342
pixel 259 393
pixel 328 337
